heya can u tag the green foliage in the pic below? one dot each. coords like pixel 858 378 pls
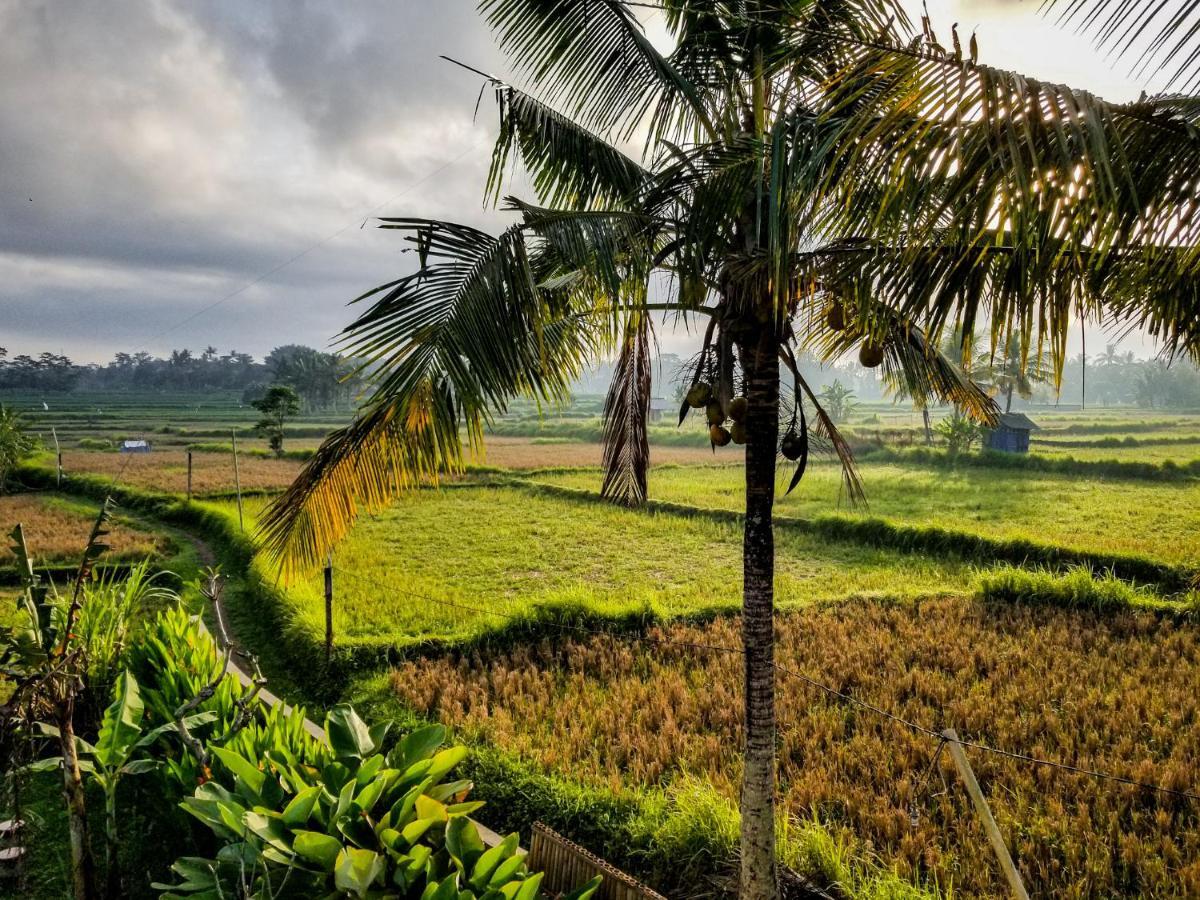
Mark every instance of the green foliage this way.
pixel 838 401
pixel 960 433
pixel 368 823
pixel 175 659
pixel 1078 588
pixel 279 403
pixel 16 443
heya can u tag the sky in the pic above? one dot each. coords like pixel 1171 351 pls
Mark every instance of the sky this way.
pixel 177 173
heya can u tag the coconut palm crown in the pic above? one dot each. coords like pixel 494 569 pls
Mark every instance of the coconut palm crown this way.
pixel 813 175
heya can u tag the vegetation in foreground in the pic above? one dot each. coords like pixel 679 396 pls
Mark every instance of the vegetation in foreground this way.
pixel 623 716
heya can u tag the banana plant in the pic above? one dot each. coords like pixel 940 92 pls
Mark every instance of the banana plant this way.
pixel 367 824
pixel 119 751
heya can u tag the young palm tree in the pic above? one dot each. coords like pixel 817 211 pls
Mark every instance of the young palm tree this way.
pixel 1017 374
pixel 810 179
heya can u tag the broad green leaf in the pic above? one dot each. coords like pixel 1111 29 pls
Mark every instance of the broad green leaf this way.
pixel 348 734
pixel 428 808
pixel 317 847
pixel 357 870
pixel 298 810
pixel 488 862
pixel 270 829
pixel 413 831
pixel 245 771
pixel 506 871
pixel 463 842
pixel 140 766
pixel 418 745
pixel 585 892
pixel 121 725
pixel 529 887
pixel 447 760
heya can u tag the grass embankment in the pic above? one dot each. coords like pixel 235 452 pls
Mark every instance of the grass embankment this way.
pixel 627 718
pixel 1153 521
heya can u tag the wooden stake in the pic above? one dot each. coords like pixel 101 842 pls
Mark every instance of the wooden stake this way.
pixel 328 609
pixel 189 489
pixel 237 480
pixel 58 459
pixel 985 813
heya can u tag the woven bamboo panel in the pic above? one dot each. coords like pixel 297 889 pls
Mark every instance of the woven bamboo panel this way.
pixel 567 866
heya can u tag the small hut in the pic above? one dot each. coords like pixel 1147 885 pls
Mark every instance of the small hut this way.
pixel 135 446
pixel 1011 434
pixel 659 409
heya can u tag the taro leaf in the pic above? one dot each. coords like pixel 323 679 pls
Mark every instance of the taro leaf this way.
pixel 356 870
pixel 317 847
pixel 463 842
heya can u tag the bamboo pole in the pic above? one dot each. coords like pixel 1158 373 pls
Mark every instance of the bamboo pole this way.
pixel 189 486
pixel 985 814
pixel 57 458
pixel 237 479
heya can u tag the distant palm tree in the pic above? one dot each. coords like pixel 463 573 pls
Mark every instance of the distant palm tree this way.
pixel 1014 375
pixel 811 177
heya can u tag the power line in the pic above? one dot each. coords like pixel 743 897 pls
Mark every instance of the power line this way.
pixel 812 682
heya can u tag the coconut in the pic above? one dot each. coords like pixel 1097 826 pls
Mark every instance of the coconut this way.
pixel 835 318
pixel 715 414
pixel 738 433
pixel 871 355
pixel 699 394
pixel 719 435
pixel 737 409
pixel 792 446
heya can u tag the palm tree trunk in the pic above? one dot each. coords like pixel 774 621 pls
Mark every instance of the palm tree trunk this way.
pixel 83 874
pixel 758 875
pixel 928 426
pixel 1008 401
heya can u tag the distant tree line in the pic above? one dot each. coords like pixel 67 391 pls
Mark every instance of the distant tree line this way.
pixel 322 381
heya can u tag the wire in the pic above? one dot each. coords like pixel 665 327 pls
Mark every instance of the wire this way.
pixel 812 682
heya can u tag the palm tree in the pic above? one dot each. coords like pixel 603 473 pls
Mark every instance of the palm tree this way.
pixel 1016 375
pixel 797 198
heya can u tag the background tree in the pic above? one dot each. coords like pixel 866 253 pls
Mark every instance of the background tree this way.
pixel 838 401
pixel 277 405
pixel 797 197
pixel 16 443
pixel 1015 373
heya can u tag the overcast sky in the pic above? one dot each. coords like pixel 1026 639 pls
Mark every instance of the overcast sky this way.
pixel 179 173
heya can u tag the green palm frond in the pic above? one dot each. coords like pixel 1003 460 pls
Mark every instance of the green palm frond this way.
pixel 626 411
pixel 1167 34
pixel 570 165
pixel 449 346
pixel 593 59
pixel 923 143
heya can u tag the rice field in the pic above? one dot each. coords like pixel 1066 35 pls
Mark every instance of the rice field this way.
pixel 627 717
pixel 165 471
pixel 1157 520
pixel 1147 450
pixel 504 551
pixel 56 531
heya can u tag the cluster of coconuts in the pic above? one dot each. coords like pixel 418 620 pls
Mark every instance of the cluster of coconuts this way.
pixel 870 355
pixel 701 396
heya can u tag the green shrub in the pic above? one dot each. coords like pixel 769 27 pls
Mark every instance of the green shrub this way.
pixel 95 444
pixel 367 822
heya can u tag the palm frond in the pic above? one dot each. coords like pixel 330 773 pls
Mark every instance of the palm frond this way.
pixel 570 165
pixel 1166 34
pixel 626 411
pixel 826 431
pixel 922 143
pixel 594 60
